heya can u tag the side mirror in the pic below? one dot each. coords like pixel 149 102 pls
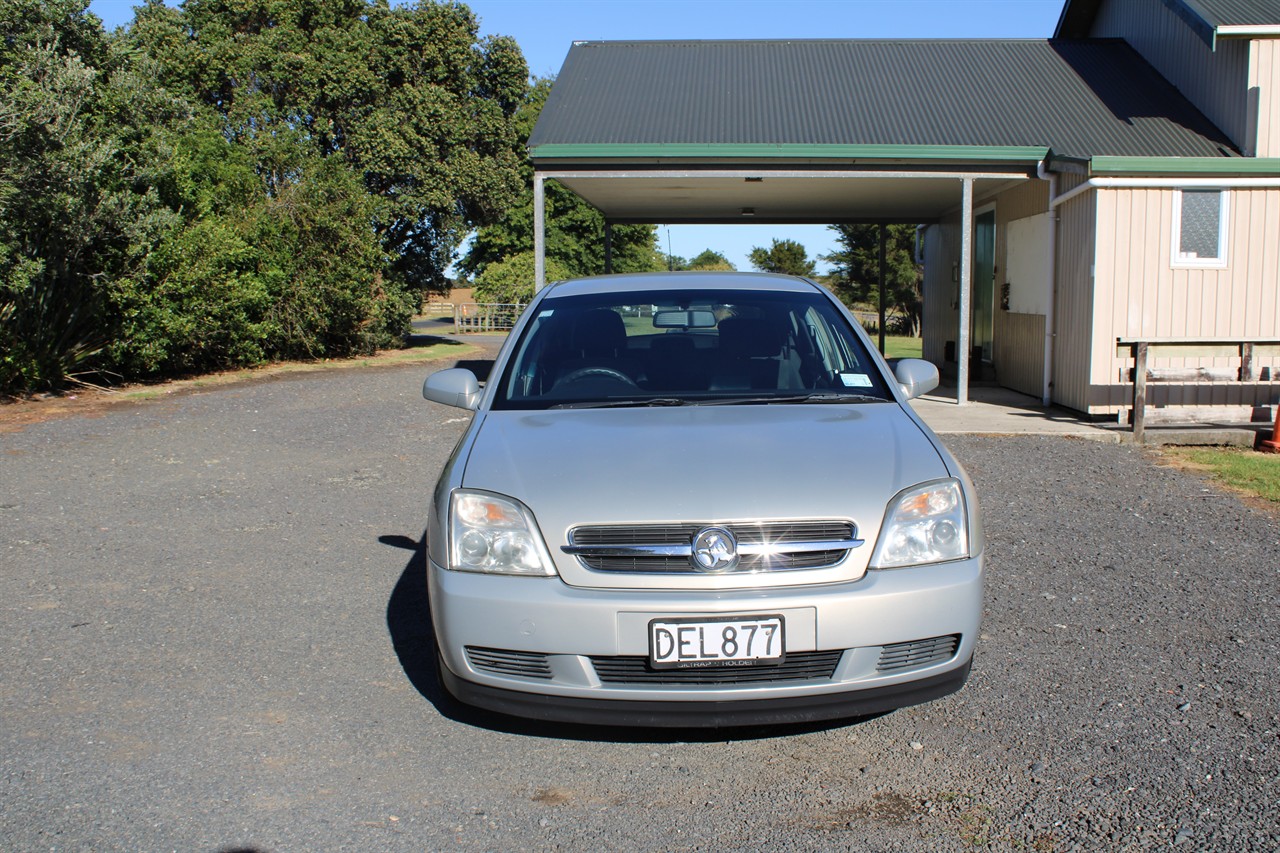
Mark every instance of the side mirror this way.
pixel 916 376
pixel 456 387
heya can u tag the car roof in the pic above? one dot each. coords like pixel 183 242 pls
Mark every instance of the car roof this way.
pixel 682 280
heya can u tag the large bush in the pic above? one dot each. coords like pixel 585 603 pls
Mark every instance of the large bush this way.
pixel 81 131
pixel 325 266
pixel 256 276
pixel 511 281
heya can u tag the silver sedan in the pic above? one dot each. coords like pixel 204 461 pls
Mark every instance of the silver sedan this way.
pixel 699 499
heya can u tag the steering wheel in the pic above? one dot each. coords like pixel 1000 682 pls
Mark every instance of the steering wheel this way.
pixel 597 372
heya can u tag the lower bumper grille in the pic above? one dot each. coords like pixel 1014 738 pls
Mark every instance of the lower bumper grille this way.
pixel 918 653
pixel 505 662
pixel 798 666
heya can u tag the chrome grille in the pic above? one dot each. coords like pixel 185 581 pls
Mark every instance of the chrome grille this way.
pixel 797 666
pixel 506 662
pixel 918 653
pixel 666 548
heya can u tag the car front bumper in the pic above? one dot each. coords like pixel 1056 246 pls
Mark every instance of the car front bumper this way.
pixel 562 628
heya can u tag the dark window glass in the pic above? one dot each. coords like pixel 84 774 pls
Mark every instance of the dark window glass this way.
pixel 1200 224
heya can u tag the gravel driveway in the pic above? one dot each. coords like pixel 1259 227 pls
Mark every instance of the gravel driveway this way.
pixel 213 622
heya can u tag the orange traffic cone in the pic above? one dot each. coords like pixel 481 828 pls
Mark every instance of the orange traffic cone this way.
pixel 1272 445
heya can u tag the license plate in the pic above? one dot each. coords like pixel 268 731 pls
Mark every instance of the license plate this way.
pixel 717 641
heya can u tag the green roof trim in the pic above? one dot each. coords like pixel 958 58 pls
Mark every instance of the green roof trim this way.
pixel 786 151
pixel 1209 166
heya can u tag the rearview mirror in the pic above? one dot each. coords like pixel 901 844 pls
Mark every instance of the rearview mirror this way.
pixel 684 319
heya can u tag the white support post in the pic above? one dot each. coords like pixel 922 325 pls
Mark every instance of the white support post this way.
pixel 539 234
pixel 966 276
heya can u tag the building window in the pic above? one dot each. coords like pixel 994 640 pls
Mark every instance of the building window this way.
pixel 1199 228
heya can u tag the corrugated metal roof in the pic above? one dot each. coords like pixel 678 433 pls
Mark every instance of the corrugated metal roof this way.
pixel 1203 16
pixel 1079 98
pixel 1238 13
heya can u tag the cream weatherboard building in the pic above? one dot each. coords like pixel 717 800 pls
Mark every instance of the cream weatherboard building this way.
pixel 1182 252
pixel 1105 195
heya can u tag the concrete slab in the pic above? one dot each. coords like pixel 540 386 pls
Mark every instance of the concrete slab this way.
pixel 1000 411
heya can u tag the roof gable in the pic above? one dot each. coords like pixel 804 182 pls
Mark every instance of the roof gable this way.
pixel 1077 98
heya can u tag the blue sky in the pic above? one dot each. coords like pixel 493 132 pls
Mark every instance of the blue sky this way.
pixel 546 28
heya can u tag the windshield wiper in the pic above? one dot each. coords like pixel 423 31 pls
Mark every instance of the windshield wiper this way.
pixel 623 404
pixel 838 397
pixel 816 397
pixel 819 397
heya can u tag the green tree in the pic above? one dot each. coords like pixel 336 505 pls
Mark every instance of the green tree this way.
pixel 510 281
pixel 784 256
pixel 407 96
pixel 856 270
pixel 710 260
pixel 707 260
pixel 575 229
pixel 238 180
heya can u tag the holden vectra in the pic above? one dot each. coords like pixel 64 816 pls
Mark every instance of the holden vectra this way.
pixel 698 499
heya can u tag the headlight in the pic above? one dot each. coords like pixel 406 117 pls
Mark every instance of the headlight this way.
pixel 924 524
pixel 496 535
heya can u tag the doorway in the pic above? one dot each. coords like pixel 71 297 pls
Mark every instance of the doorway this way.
pixel 984 286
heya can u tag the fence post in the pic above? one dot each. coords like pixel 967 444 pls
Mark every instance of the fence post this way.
pixel 1139 391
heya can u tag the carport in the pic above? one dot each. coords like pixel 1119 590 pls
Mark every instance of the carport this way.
pixel 773 185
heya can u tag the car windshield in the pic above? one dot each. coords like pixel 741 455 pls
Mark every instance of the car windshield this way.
pixel 688 347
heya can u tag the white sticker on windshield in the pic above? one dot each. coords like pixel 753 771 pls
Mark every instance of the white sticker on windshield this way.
pixel 542 315
pixel 855 380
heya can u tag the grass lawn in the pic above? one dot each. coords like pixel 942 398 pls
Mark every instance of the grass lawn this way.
pixel 1245 470
pixel 898 346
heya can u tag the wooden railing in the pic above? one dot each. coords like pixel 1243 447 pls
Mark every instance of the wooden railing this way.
pixel 485 317
pixel 1143 350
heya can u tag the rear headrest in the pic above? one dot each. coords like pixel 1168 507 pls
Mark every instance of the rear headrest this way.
pixel 672 346
pixel 751 337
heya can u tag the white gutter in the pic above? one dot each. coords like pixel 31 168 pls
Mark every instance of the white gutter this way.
pixel 1164 183
pixel 1248 31
pixel 824 174
pixel 1046 395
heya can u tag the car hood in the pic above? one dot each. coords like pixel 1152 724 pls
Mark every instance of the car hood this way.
pixel 703 465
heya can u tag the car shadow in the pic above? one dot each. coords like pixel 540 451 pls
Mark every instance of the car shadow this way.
pixel 413 639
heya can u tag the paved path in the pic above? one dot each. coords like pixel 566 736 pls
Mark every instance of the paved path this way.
pixel 999 411
pixel 214 635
